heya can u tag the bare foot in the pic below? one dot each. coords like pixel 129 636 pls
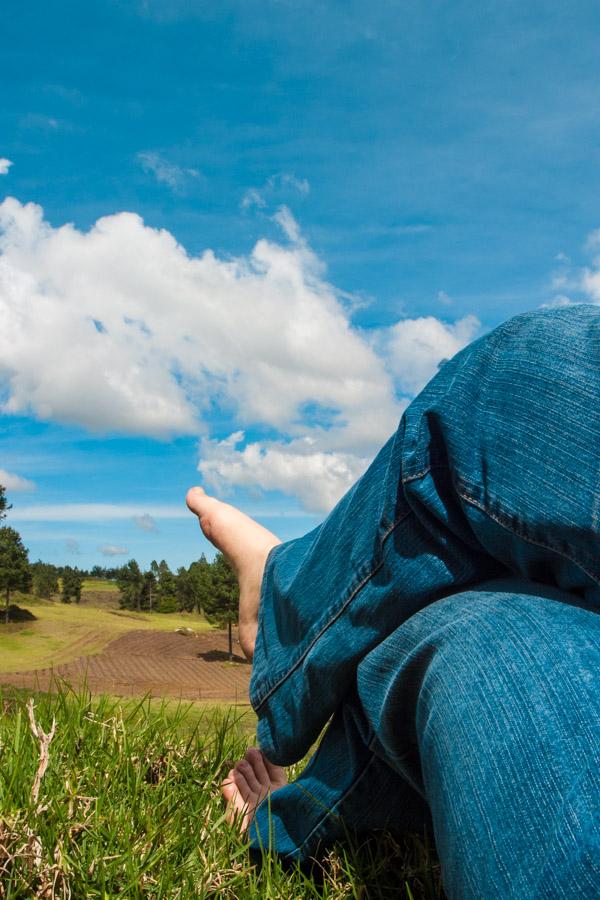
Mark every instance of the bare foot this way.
pixel 247 784
pixel 246 544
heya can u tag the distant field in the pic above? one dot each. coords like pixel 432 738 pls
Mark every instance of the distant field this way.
pixel 98 584
pixel 64 632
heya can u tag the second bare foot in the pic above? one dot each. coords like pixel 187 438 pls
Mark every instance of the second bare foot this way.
pixel 251 780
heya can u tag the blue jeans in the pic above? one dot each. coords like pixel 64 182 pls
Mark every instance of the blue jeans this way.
pixel 468 704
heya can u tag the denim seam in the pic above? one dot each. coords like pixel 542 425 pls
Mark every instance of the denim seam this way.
pixel 544 545
pixel 414 477
pixel 331 812
pixel 269 691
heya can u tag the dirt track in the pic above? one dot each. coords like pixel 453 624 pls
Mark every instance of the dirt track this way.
pixel 162 664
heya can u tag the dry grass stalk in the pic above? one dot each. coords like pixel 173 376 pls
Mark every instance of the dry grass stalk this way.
pixel 45 740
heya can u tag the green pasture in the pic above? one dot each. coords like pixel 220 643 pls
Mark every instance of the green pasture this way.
pixel 63 632
pixel 99 584
pixel 129 806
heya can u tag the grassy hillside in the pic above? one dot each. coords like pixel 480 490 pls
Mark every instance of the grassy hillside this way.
pixel 62 632
pixel 129 806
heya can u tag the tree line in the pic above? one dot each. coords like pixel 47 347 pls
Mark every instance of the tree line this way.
pixel 209 588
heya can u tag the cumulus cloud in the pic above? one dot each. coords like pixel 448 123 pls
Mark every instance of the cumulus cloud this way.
pixel 145 522
pixel 164 171
pixel 5 165
pixel 415 348
pixel 113 550
pixel 15 483
pixel 119 329
pixel 316 477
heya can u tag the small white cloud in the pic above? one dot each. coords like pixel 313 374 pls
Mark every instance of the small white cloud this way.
pixel 165 172
pixel 145 522
pixel 253 197
pixel 445 298
pixel 275 184
pixel 113 550
pixel 5 165
pixel 72 546
pixel 286 180
pixel 14 482
pixel 42 122
pixel 557 302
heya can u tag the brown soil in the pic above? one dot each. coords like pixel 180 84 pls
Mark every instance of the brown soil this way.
pixel 158 663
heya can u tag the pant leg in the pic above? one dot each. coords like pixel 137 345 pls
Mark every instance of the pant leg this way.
pixel 494 470
pixel 487 705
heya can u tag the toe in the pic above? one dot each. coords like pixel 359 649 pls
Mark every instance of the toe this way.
pixel 256 760
pixel 247 771
pixel 195 499
pixel 228 787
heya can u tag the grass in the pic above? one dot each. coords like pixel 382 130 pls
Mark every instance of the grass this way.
pixel 100 585
pixel 64 632
pixel 129 806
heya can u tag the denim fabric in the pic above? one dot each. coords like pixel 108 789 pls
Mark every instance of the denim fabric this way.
pixel 494 470
pixel 484 708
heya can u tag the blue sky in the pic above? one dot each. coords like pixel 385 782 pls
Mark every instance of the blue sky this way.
pixel 257 229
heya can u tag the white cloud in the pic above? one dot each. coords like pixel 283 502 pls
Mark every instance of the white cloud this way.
pixel 119 329
pixel 145 522
pixel 94 512
pixel 253 197
pixel 14 482
pixel 557 302
pixel 72 546
pixel 164 171
pixel 109 512
pixel 113 550
pixel 273 186
pixel 5 165
pixel 316 477
pixel 415 348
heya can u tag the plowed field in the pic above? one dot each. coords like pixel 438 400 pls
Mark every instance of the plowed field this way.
pixel 161 664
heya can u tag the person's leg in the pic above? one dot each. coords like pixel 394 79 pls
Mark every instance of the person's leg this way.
pixel 486 704
pixel 494 469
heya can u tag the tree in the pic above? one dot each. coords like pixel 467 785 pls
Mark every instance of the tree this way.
pixel 71 585
pixel 4 504
pixel 149 588
pixel 130 582
pixel 14 565
pixel 185 590
pixel 222 608
pixel 166 590
pixel 200 574
pixel 45 579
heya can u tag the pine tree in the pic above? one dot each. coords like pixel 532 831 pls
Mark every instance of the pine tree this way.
pixel 149 588
pixel 71 585
pixel 4 504
pixel 223 605
pixel 200 573
pixel 14 565
pixel 130 582
pixel 45 579
pixel 166 589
